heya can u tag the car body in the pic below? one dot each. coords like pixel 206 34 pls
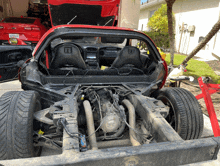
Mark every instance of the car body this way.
pixel 94 90
pixel 86 12
pixel 27 29
pixel 92 93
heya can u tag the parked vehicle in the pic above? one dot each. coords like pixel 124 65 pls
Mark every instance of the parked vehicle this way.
pixel 86 12
pixel 27 29
pixel 90 92
pixel 24 31
pixel 69 95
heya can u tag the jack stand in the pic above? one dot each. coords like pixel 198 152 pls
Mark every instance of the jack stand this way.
pixel 207 90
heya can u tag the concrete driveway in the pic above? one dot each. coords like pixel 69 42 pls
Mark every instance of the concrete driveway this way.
pixel 16 86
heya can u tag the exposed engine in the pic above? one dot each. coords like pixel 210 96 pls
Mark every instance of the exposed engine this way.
pixel 106 118
pixel 109 115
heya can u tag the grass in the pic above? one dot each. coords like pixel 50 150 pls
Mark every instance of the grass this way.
pixel 195 68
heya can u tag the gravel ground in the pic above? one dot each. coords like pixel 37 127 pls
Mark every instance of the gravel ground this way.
pixel 215 65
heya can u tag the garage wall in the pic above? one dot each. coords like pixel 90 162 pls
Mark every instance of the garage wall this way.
pixel 19 8
pixel 1 13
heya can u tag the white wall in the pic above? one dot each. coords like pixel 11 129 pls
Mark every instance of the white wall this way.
pixel 143 24
pixel 145 16
pixel 203 15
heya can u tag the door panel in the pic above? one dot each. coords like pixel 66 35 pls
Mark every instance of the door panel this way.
pixel 9 57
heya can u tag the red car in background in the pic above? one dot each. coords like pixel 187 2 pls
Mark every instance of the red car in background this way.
pixel 27 29
pixel 84 12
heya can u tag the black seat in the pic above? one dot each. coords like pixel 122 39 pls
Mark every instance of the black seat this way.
pixel 67 54
pixel 128 55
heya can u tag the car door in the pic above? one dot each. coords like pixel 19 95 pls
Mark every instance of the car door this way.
pixel 10 55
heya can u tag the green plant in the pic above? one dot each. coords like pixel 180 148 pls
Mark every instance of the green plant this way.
pixel 161 39
pixel 195 68
pixel 159 22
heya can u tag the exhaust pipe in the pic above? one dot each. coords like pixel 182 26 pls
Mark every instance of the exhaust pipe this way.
pixel 90 125
pixel 131 111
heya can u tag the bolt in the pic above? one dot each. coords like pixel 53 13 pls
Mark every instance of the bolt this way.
pixel 201 86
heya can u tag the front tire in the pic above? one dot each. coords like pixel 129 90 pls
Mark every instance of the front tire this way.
pixel 17 124
pixel 185 114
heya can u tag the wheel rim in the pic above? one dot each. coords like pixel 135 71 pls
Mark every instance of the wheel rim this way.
pixel 171 117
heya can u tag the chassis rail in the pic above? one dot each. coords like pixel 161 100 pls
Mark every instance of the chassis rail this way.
pixel 170 149
pixel 165 153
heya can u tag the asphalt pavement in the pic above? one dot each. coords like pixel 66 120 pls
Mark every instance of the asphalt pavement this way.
pixel 16 86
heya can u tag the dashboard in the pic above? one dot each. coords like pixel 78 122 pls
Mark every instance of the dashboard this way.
pixel 94 54
pixel 89 51
pixel 100 52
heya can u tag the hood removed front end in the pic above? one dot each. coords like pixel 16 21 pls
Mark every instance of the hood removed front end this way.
pixel 86 12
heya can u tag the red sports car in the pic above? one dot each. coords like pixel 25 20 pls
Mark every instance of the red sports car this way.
pixel 91 93
pixel 27 29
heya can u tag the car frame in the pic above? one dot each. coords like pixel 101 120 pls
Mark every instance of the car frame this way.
pixel 58 94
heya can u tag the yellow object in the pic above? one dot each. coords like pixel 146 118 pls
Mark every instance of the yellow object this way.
pixel 82 97
pixel 104 67
pixel 13 41
pixel 40 132
pixel 163 55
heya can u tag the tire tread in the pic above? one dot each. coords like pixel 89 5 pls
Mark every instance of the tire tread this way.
pixel 16 124
pixel 188 109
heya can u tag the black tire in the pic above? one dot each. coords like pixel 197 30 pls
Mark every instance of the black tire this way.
pixel 185 114
pixel 17 124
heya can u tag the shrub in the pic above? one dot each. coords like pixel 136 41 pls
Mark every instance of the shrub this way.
pixel 159 21
pixel 161 39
